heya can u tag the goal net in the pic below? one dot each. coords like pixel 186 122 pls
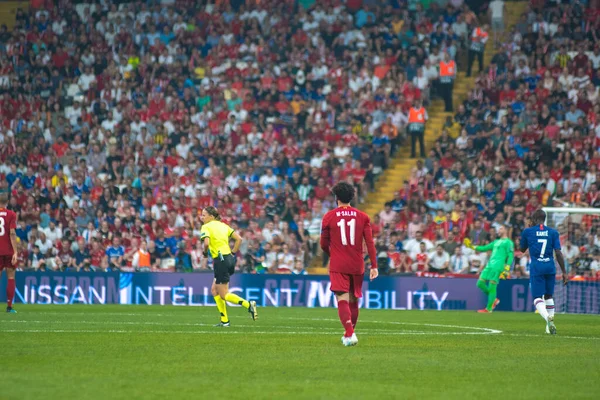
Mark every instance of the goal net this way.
pixel 579 230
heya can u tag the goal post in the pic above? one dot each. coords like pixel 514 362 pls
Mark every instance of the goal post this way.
pixel 579 230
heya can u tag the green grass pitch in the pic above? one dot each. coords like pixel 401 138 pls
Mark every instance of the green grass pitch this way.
pixel 132 352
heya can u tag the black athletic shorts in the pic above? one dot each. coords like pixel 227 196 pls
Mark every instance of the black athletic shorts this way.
pixel 224 267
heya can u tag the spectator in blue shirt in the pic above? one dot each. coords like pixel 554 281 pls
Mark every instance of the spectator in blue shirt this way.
pixel 490 212
pixel 115 254
pixel 411 69
pixel 79 188
pixel 42 24
pixel 572 115
pixel 433 203
pixel 292 167
pixel 380 140
pixel 531 81
pixel 438 37
pixel 28 181
pixel 160 245
pixel 472 127
pixel 398 203
pixel 489 191
pixel 174 242
pixel 396 241
pixel 81 256
pixel 153 35
pixel 364 16
pixel 299 268
pixel 255 256
pixel 13 175
pixel 183 262
pixel 166 36
pixel 36 260
pixel 518 106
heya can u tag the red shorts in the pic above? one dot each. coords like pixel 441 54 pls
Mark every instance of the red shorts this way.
pixel 346 283
pixel 6 262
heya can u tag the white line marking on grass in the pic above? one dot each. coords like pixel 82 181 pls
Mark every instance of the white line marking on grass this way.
pixel 484 331
pixel 150 314
pixel 157 324
pixel 300 330
pixel 304 330
pixel 479 331
pixel 558 336
pixel 227 331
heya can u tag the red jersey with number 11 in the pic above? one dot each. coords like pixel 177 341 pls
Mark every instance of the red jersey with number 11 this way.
pixel 342 234
pixel 8 221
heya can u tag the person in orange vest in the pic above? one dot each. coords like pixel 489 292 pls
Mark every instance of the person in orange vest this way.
pixel 417 116
pixel 479 38
pixel 446 80
pixel 142 259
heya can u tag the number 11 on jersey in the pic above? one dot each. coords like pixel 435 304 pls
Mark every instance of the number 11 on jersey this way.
pixel 352 225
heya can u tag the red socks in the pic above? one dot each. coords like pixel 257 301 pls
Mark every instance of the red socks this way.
pixel 345 317
pixel 354 312
pixel 10 292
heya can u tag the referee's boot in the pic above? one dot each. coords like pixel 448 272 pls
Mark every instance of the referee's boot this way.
pixel 252 310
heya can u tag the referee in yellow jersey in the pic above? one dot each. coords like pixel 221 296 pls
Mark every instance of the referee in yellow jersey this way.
pixel 215 235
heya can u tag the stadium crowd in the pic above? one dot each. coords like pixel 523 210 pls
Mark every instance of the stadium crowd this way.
pixel 527 136
pixel 122 120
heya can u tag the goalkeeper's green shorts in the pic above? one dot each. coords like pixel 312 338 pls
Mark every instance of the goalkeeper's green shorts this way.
pixel 491 274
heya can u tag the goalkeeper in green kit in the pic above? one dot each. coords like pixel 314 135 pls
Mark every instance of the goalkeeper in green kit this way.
pixel 498 266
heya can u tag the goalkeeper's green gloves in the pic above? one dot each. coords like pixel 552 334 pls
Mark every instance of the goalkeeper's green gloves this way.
pixel 506 273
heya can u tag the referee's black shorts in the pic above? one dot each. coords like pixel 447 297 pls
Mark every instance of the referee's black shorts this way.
pixel 224 267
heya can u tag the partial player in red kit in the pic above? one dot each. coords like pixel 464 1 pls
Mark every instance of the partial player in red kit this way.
pixel 342 235
pixel 8 249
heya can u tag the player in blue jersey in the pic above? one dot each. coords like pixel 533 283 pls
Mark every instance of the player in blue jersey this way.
pixel 543 244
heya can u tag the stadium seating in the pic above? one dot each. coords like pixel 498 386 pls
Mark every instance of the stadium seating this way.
pixel 123 121
pixel 120 121
pixel 533 141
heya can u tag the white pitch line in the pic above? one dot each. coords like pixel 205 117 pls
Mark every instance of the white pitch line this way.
pixel 226 331
pixel 150 314
pixel 486 330
pixel 557 336
pixel 323 330
pixel 481 331
pixel 153 323
pixel 185 324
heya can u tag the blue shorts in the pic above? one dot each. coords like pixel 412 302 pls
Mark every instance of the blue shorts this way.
pixel 542 284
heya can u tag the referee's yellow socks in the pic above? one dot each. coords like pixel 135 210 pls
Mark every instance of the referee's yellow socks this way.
pixel 235 299
pixel 222 307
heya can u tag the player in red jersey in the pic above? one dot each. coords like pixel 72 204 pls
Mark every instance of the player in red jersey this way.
pixel 342 235
pixel 8 249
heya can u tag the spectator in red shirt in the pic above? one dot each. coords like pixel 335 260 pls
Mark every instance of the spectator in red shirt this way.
pixel 60 147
